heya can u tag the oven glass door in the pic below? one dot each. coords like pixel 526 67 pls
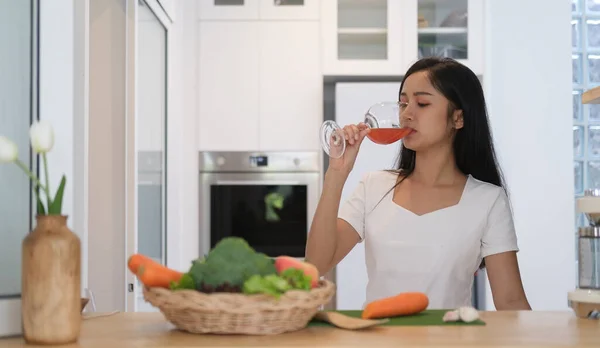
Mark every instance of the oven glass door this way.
pixel 272 212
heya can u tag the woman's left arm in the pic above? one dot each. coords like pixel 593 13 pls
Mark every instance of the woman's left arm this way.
pixel 499 250
pixel 505 281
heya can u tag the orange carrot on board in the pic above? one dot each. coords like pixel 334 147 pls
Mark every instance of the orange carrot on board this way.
pixel 157 275
pixel 406 303
pixel 136 260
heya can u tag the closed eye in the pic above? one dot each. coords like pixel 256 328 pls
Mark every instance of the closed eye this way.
pixel 405 104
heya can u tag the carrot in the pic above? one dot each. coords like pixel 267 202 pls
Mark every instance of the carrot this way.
pixel 136 260
pixel 157 275
pixel 406 303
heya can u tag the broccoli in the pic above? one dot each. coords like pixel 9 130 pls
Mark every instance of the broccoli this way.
pixel 228 265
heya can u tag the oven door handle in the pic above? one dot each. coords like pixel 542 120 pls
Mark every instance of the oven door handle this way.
pixel 257 182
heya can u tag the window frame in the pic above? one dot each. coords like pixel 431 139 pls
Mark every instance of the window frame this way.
pixel 10 305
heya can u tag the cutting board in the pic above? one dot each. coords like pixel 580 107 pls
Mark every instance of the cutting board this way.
pixel 431 317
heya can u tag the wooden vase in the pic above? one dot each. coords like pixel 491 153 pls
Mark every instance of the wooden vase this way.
pixel 51 282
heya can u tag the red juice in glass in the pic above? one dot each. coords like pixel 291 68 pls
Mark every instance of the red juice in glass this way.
pixel 386 136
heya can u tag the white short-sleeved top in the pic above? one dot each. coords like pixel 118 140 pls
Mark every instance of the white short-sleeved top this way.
pixel 436 253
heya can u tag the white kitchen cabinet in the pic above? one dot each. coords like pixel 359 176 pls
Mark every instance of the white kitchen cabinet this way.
pixel 258 9
pixel 363 37
pixel 385 37
pixel 260 85
pixel 291 86
pixel 228 9
pixel 450 28
pixel 289 9
pixel 228 93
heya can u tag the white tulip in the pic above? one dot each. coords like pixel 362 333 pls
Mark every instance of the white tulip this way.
pixel 42 136
pixel 8 150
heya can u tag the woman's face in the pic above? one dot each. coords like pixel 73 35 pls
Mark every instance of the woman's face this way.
pixel 425 110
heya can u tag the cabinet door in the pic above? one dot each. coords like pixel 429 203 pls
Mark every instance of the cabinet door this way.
pixel 169 7
pixel 228 85
pixel 291 84
pixel 450 28
pixel 289 9
pixel 228 9
pixel 363 37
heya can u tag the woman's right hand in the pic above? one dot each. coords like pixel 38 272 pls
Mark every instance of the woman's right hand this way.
pixel 354 135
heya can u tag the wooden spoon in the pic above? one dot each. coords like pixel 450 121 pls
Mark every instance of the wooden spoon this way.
pixel 345 322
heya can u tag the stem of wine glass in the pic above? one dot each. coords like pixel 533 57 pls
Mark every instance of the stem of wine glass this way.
pixel 337 139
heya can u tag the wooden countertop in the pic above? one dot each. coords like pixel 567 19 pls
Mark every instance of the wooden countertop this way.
pixel 503 329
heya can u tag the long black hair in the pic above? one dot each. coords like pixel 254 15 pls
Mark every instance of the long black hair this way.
pixel 473 145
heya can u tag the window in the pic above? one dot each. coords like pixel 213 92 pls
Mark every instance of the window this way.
pixel 585 29
pixel 585 37
pixel 18 92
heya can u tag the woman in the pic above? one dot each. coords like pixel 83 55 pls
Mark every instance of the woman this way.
pixel 430 224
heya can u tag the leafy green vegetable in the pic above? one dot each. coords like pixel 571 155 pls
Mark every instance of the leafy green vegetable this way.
pixel 270 284
pixel 275 285
pixel 297 279
pixel 186 282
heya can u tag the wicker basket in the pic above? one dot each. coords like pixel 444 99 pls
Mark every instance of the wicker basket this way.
pixel 236 313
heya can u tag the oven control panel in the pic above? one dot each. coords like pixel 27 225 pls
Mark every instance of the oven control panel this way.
pixel 243 161
pixel 259 161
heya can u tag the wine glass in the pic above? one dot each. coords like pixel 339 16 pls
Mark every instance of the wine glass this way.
pixel 382 118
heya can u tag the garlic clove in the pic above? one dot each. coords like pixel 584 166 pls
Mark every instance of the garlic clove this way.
pixel 468 314
pixel 451 316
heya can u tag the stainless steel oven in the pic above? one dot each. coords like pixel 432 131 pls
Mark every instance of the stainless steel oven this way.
pixel 266 198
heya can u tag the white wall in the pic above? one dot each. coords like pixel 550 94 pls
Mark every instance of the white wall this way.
pixel 64 105
pixel 56 92
pixel 528 86
pixel 107 154
pixel 182 173
pixel 80 149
